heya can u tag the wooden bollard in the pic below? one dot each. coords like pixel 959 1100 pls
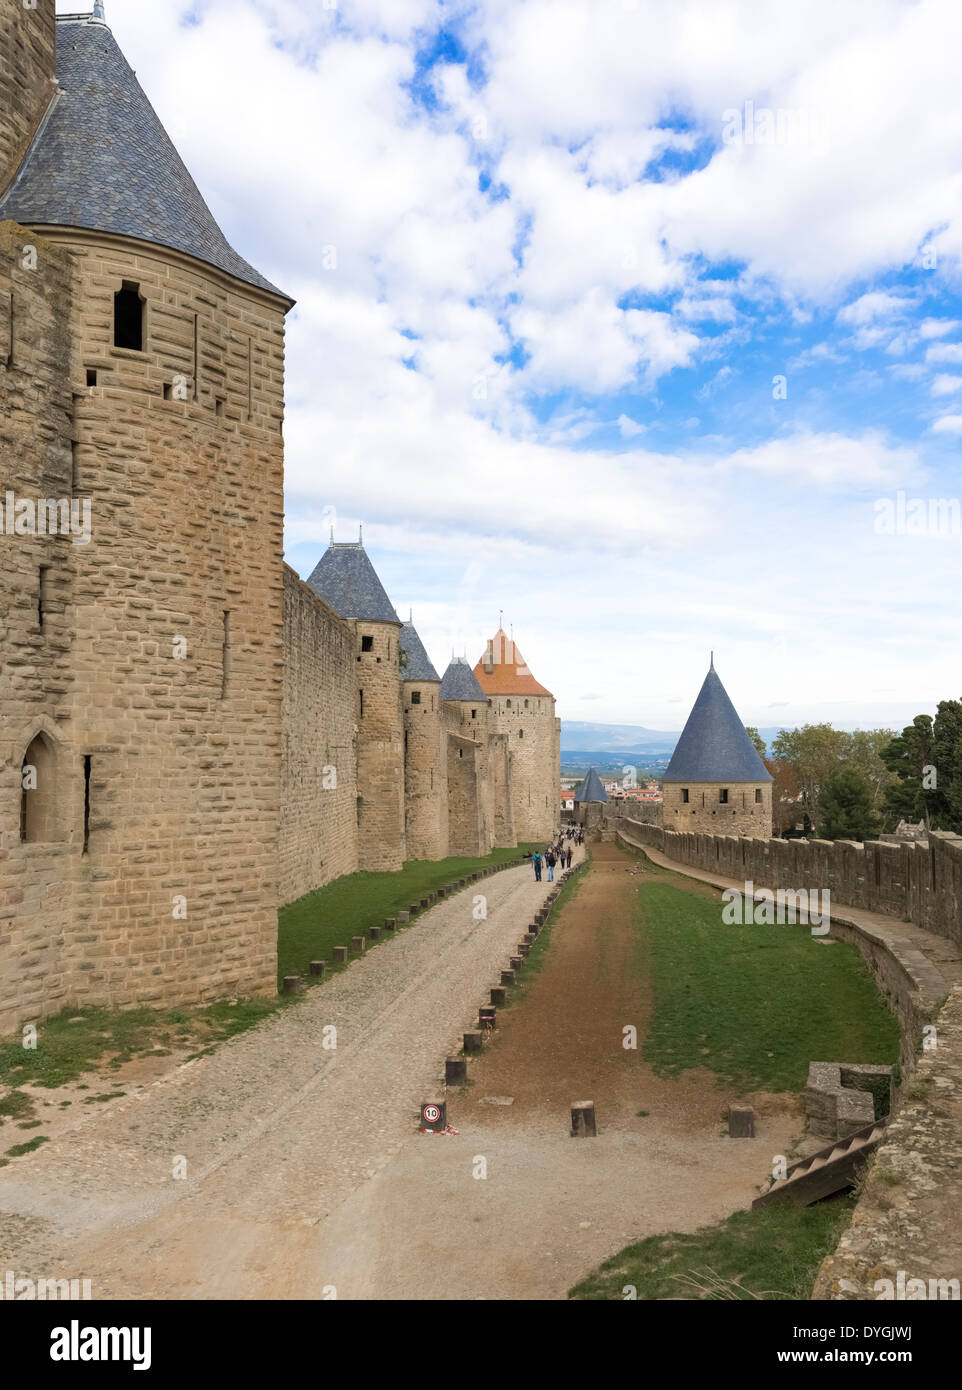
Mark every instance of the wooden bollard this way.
pixel 473 1041
pixel 583 1122
pixel 516 962
pixel 374 933
pixel 498 994
pixel 414 909
pixel 488 1016
pixel 523 948
pixel 390 924
pixel 529 938
pixel 292 984
pixel 318 967
pixel 403 917
pixel 425 902
pixel 455 1071
pixel 507 977
pixel 340 955
pixel 741 1122
pixel 534 929
pixel 357 943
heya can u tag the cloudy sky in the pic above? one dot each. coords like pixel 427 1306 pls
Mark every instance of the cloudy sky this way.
pixel 632 318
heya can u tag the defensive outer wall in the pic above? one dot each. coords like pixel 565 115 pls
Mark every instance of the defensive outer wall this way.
pixel 905 1222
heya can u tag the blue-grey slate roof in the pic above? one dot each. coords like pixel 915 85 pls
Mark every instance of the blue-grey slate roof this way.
pixel 418 665
pixel 592 788
pixel 460 683
pixel 346 580
pixel 714 746
pixel 102 160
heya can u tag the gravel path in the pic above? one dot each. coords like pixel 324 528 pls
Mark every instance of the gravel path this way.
pixel 277 1131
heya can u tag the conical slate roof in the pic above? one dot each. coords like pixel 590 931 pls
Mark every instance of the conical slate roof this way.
pixel 714 746
pixel 345 579
pixel 592 788
pixel 460 683
pixel 418 665
pixel 102 160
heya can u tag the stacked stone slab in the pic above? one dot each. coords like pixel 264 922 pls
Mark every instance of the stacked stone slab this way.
pixel 843 1097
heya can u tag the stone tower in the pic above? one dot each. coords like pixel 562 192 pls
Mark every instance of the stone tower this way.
pixel 524 712
pixel 345 578
pixel 425 770
pixel 465 721
pixel 716 782
pixel 141 382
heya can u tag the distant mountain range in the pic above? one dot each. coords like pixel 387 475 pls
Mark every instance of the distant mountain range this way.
pixel 581 741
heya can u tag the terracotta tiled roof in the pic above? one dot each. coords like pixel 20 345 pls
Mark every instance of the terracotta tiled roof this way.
pixel 502 670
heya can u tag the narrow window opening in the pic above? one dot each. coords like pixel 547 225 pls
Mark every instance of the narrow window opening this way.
pixel 225 656
pixel 758 796
pixel 42 594
pixel 367 644
pixel 196 353
pixel 362 701
pixel 684 795
pixel 474 714
pixel 723 796
pixel 168 391
pixel 91 376
pixel 521 733
pixel 129 318
pixel 219 406
pixel 86 803
pixel 73 465
pixel 508 704
pixel 415 697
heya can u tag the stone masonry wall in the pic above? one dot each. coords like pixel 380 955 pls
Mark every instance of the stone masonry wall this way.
pixel 28 72
pixel 920 883
pixel 534 741
pixel 36 428
pixel 380 748
pixel 426 827
pixel 318 839
pixel 741 815
pixel 170 730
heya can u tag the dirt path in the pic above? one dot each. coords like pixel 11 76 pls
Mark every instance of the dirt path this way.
pixel 551 1208
pixel 276 1131
pixel 305 1172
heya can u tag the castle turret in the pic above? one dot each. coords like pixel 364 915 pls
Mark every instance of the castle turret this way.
pixel 345 578
pixel 464 708
pixel 424 765
pixel 523 711
pixel 716 782
pixel 144 671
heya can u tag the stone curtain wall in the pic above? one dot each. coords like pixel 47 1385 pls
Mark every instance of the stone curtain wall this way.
pixel 318 839
pixel 27 78
pixel 36 428
pixel 920 883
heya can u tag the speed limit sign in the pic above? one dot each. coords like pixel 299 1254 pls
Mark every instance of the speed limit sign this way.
pixel 433 1115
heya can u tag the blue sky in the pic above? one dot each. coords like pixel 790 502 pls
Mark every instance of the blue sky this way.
pixel 630 319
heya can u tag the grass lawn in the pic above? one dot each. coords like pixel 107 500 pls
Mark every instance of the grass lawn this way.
pixel 310 927
pixel 77 1040
pixel 770 1254
pixel 754 1004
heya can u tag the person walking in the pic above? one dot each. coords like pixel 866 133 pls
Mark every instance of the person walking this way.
pixel 536 860
pixel 551 864
pixel 568 856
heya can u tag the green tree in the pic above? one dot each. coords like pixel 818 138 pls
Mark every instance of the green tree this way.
pixel 758 741
pixel 908 756
pixel 865 756
pixel 845 806
pixel 814 752
pixel 947 760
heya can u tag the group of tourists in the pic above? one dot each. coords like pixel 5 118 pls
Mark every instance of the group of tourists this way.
pixel 559 853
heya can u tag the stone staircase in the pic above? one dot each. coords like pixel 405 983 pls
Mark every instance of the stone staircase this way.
pixel 827 1171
